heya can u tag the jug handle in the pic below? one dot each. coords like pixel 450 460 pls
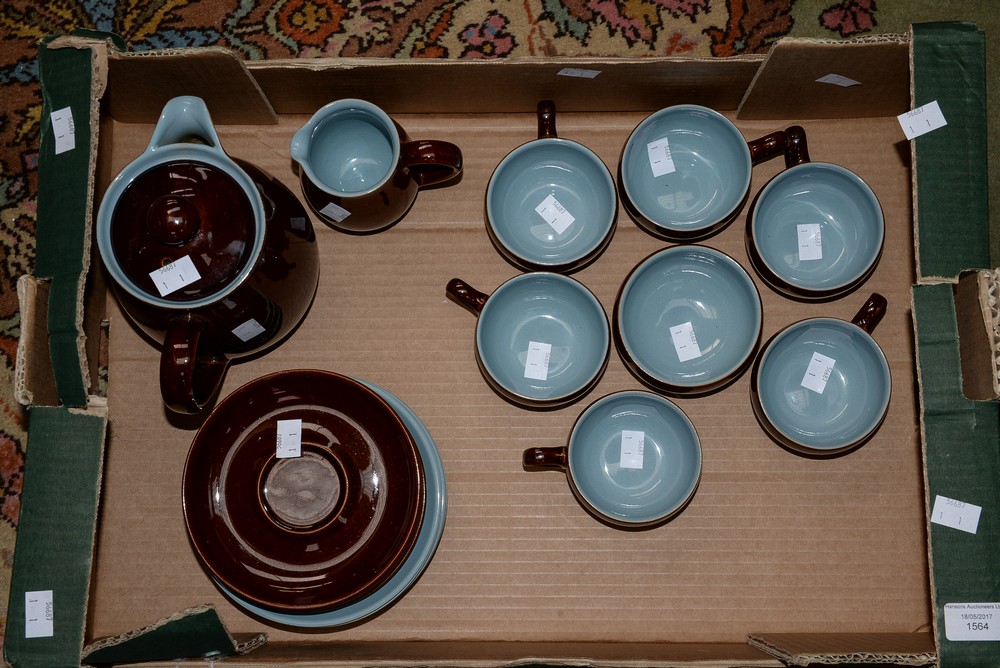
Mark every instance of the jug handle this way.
pixel 188 380
pixel 184 119
pixel 431 161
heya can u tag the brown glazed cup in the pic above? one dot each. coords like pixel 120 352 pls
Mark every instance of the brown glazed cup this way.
pixel 821 386
pixel 815 231
pixel 633 459
pixel 684 172
pixel 542 339
pixel 551 204
pixel 209 256
pixel 307 533
pixel 360 171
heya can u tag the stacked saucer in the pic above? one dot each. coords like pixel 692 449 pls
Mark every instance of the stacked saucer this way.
pixel 313 500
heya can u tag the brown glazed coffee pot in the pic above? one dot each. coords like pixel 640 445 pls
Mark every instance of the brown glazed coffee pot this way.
pixel 210 257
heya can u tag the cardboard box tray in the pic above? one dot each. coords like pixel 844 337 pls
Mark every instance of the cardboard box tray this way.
pixel 806 557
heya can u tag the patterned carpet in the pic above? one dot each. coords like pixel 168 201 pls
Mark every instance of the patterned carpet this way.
pixel 372 28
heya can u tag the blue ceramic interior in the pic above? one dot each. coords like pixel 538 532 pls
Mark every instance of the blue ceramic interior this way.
pixel 427 540
pixel 671 458
pixel 575 177
pixel 712 162
pixel 352 148
pixel 854 399
pixel 850 219
pixel 548 308
pixel 697 285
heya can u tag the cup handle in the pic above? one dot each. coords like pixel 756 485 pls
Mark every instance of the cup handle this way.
pixel 546 458
pixel 188 380
pixel 871 313
pixel 547 119
pixel 466 295
pixel 183 119
pixel 767 147
pixel 797 151
pixel 431 162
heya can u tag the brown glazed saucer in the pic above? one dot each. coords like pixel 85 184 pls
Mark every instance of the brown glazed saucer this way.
pixel 308 533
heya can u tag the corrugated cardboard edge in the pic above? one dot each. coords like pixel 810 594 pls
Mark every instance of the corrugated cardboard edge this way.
pixel 239 645
pixel 99 63
pixel 803 649
pixel 989 300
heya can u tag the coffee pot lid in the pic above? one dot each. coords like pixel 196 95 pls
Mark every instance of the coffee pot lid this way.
pixel 184 229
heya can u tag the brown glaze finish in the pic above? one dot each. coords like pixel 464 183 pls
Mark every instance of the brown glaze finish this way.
pixel 546 116
pixel 466 295
pixel 311 533
pixel 867 318
pixel 200 342
pixel 761 150
pixel 796 153
pixel 421 164
pixel 546 458
pixel 871 313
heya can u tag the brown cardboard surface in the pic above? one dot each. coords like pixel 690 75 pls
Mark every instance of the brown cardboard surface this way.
pixel 771 543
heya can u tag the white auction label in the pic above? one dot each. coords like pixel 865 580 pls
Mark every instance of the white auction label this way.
pixel 578 73
pixel 956 514
pixel 633 445
pixel 289 439
pixel 838 80
pixel 536 362
pixel 39 614
pixel 555 214
pixel 174 276
pixel 922 120
pixel 660 158
pixel 972 621
pixel 335 212
pixel 63 129
pixel 810 238
pixel 248 330
pixel 818 373
pixel 685 342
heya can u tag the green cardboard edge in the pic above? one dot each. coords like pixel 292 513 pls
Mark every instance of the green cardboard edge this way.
pixel 64 210
pixel 194 633
pixel 55 538
pixel 962 462
pixel 949 66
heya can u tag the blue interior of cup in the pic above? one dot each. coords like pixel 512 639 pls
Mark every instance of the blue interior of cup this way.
pixel 352 150
pixel 566 171
pixel 712 169
pixel 854 399
pixel 844 208
pixel 702 289
pixel 623 490
pixel 549 309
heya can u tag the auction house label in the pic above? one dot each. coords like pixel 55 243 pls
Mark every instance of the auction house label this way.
pixel 972 621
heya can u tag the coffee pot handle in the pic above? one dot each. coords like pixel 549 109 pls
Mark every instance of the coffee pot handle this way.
pixel 184 119
pixel 188 379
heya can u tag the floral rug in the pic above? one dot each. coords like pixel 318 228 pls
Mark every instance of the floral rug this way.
pixel 258 29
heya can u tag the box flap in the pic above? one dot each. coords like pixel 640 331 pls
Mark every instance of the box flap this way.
pixel 197 632
pixel 803 649
pixel 962 463
pixel 73 76
pixel 976 303
pixel 142 82
pixel 34 378
pixel 62 474
pixel 788 86
pixel 951 192
pixel 303 86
